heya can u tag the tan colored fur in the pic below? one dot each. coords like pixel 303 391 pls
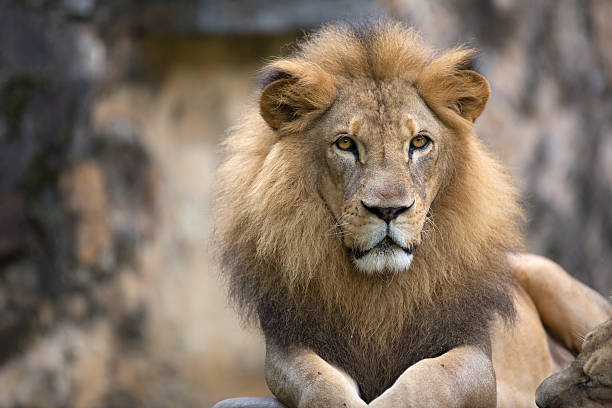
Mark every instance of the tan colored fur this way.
pixel 288 265
pixel 267 173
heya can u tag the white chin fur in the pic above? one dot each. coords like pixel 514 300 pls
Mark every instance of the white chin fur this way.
pixel 376 262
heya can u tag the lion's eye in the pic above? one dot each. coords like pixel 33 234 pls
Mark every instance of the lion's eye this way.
pixel 419 142
pixel 345 143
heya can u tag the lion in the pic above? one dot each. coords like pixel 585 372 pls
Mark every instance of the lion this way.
pixel 587 381
pixel 377 242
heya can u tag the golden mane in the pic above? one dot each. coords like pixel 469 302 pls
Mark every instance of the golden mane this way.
pixel 277 240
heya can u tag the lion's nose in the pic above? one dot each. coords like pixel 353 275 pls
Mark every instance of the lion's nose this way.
pixel 386 213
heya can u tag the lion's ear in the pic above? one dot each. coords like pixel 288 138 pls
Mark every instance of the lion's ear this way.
pixel 448 85
pixel 277 103
pixel 294 93
pixel 471 94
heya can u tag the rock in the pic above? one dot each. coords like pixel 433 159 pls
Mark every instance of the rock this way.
pixel 587 382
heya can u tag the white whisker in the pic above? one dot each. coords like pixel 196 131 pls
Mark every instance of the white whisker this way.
pixel 579 335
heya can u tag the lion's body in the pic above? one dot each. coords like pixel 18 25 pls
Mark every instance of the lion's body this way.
pixel 289 209
pixel 523 355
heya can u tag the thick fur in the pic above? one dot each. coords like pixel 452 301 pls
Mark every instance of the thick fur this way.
pixel 278 247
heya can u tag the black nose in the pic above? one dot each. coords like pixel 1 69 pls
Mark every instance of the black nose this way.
pixel 386 213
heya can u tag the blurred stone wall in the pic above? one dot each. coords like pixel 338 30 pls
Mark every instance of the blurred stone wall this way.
pixel 111 113
pixel 76 207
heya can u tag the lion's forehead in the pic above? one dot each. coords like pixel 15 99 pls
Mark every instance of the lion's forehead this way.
pixel 382 108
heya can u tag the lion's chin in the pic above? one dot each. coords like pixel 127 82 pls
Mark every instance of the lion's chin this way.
pixel 380 262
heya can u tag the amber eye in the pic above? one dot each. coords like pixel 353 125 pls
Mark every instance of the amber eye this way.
pixel 419 142
pixel 345 143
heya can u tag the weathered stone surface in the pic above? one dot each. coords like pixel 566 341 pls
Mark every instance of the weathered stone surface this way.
pixel 110 117
pixel 206 17
pixel 587 382
pixel 84 189
pixel 63 244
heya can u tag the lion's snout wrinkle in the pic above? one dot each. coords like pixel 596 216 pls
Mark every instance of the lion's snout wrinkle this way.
pixel 387 185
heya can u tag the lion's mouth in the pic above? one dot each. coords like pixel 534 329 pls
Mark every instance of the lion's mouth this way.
pixel 385 247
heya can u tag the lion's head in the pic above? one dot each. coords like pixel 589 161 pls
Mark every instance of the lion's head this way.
pixel 363 130
pixel 382 156
pixel 356 195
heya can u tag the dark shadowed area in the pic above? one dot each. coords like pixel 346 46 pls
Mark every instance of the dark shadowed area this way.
pixel 111 114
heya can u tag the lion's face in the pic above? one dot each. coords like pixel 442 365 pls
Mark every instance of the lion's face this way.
pixel 377 155
pixel 380 151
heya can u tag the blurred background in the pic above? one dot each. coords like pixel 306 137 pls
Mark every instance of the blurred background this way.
pixel 111 114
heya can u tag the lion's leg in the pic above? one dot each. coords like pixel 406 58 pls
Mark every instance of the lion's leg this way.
pixel 462 377
pixel 301 379
pixel 568 308
pixel 521 354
